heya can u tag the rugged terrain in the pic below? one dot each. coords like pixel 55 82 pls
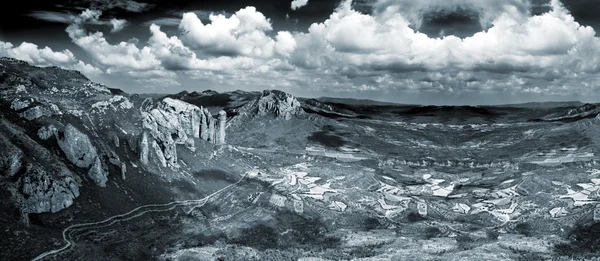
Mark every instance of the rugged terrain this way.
pixel 89 172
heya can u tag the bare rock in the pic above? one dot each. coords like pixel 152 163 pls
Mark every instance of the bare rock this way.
pixel 41 111
pixel 211 129
pixel 47 132
pixel 47 192
pixel 173 122
pixel 123 171
pixel 205 119
pixel 77 147
pixel 222 125
pixel 144 147
pixel 283 105
pixel 11 159
pixel 19 104
pixel 99 172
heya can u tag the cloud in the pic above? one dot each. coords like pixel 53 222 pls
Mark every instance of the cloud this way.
pixel 243 33
pixel 486 10
pixel 30 53
pixel 165 21
pixel 86 17
pixel 50 16
pixel 123 55
pixel 127 5
pixel 542 42
pixel 297 4
pixel 117 25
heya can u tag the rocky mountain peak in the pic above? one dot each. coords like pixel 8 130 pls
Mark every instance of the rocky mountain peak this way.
pixel 281 104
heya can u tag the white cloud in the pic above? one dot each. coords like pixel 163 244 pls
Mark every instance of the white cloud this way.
pixel 46 57
pixel 243 33
pixel 547 41
pixel 296 4
pixel 117 24
pixel 123 55
pixel 486 10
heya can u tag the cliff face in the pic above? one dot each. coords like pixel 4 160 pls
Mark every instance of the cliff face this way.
pixel 271 102
pixel 60 132
pixel 283 105
pixel 172 122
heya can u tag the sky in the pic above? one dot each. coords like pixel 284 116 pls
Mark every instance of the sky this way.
pixel 445 52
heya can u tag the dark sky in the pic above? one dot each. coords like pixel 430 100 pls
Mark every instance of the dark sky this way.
pixel 360 51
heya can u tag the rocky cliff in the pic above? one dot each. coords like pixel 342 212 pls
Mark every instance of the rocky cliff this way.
pixel 271 102
pixel 172 122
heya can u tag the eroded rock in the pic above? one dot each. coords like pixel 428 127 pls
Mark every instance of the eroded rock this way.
pixel 77 147
pixel 47 192
pixel 283 105
pixel 222 125
pixel 99 172
pixel 47 132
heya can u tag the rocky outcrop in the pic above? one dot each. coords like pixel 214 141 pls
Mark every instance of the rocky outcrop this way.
pixel 98 172
pixel 77 147
pixel 282 104
pixel 222 125
pixel 144 147
pixel 171 122
pixel 47 132
pixel 11 159
pixel 19 104
pixel 39 111
pixel 45 191
pixel 271 102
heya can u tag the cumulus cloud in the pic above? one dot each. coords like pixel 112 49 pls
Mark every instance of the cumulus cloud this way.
pixel 123 55
pixel 486 10
pixel 117 24
pixel 546 41
pixel 243 33
pixel 296 4
pixel 32 54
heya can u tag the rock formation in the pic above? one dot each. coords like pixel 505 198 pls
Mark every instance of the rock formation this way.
pixel 282 104
pixel 204 122
pixel 99 172
pixel 77 147
pixel 222 125
pixel 144 147
pixel 47 192
pixel 47 132
pixel 271 102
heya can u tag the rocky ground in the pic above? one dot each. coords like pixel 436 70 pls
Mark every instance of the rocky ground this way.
pixel 89 172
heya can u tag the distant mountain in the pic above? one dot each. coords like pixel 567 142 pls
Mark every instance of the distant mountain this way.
pixel 542 105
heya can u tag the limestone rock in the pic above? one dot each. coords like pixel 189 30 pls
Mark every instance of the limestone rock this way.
pixel 144 147
pixel 207 130
pixel 211 129
pixel 11 159
pixel 222 125
pixel 123 170
pixel 19 104
pixel 282 104
pixel 47 132
pixel 77 147
pixel 41 111
pixel 170 123
pixel 99 172
pixel 47 192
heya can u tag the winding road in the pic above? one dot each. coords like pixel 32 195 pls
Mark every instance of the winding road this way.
pixel 141 210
